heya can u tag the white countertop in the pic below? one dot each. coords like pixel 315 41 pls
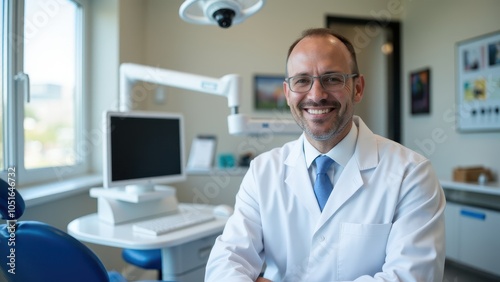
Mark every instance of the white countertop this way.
pixel 491 188
pixel 90 229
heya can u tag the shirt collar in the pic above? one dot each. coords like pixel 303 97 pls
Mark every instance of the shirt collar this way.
pixel 341 153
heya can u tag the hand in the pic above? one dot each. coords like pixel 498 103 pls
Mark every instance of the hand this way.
pixel 262 279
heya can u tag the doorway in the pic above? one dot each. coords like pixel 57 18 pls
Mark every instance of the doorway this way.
pixel 377 46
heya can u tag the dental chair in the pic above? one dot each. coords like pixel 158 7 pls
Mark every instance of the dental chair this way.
pixel 35 251
pixel 146 259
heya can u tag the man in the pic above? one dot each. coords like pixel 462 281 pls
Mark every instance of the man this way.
pixel 383 220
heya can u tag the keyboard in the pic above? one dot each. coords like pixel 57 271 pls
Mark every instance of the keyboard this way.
pixel 162 225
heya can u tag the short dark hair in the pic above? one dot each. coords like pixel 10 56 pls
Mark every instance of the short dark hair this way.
pixel 327 32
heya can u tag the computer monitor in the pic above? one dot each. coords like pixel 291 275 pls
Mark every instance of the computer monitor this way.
pixel 142 149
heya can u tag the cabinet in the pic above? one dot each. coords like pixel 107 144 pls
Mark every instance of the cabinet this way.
pixel 472 230
pixel 473 237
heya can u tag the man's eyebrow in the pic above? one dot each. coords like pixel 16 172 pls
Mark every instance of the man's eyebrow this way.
pixel 307 74
pixel 300 74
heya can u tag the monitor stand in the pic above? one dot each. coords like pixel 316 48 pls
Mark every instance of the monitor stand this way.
pixel 119 205
pixel 139 189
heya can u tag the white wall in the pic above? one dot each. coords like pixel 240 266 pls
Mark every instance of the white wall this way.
pixel 431 30
pixel 116 35
pixel 103 42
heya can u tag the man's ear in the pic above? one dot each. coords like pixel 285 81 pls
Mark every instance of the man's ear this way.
pixel 286 91
pixel 359 88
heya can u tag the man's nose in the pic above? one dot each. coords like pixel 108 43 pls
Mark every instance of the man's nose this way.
pixel 317 91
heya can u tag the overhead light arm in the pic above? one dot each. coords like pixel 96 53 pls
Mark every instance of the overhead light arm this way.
pixel 228 86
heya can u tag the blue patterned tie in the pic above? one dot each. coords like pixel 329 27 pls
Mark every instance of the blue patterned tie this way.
pixel 322 186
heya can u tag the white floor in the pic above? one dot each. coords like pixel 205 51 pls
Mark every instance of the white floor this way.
pixel 132 273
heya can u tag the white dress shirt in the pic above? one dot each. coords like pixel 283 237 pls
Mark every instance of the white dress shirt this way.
pixel 341 154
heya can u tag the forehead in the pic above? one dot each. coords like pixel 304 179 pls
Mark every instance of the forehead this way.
pixel 319 53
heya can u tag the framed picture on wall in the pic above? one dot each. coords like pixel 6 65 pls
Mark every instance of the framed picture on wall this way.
pixel 420 91
pixel 268 92
pixel 478 83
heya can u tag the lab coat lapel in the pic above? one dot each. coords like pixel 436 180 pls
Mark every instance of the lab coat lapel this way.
pixel 297 178
pixel 365 157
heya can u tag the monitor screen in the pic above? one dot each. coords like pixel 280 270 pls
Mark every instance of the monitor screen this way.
pixel 143 148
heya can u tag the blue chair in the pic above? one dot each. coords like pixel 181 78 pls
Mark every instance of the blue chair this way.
pixel 146 259
pixel 39 252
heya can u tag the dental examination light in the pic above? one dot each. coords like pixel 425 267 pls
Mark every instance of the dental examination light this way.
pixel 228 86
pixel 221 12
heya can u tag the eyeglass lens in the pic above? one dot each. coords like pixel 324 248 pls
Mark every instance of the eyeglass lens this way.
pixel 330 82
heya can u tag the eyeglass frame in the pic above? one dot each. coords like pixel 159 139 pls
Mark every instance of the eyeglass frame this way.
pixel 345 76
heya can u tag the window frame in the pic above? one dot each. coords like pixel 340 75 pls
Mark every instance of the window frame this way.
pixel 16 97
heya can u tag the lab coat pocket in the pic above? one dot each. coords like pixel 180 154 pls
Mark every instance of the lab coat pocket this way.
pixel 361 249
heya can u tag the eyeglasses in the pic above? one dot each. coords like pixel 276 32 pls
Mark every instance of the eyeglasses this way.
pixel 329 81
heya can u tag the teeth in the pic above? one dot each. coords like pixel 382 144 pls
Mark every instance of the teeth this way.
pixel 318 112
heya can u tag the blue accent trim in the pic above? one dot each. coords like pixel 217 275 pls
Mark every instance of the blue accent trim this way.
pixel 476 215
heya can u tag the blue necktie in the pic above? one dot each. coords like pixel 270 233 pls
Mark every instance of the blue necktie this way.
pixel 322 186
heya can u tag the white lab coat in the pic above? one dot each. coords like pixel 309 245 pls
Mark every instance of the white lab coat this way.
pixel 383 221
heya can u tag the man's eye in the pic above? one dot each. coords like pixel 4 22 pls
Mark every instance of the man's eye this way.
pixel 302 80
pixel 332 79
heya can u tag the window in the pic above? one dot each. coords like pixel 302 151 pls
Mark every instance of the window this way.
pixel 42 78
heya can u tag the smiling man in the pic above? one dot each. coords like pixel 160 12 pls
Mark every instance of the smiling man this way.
pixel 340 203
pixel 325 113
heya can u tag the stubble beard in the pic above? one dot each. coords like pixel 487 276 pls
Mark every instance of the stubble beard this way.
pixel 337 128
pixel 339 124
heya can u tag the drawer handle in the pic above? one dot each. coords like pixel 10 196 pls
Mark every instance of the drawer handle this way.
pixel 476 215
